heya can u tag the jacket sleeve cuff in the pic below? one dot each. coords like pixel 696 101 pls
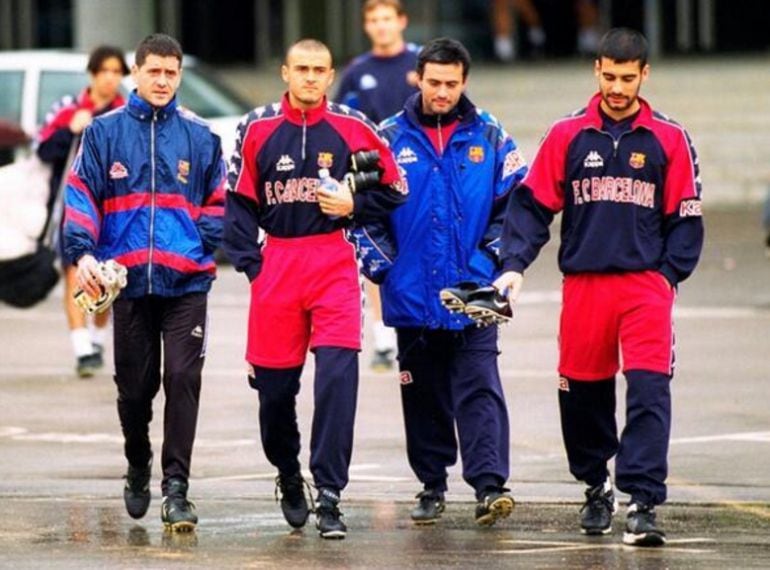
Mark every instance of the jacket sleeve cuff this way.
pixel 513 265
pixel 252 270
pixel 670 274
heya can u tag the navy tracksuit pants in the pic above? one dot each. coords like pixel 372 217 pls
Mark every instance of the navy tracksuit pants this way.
pixel 143 326
pixel 334 413
pixel 591 439
pixel 450 379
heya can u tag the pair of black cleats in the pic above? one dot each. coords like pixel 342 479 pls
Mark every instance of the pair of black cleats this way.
pixel 485 305
pixel 492 506
pixel 295 508
pixel 599 508
pixel 176 512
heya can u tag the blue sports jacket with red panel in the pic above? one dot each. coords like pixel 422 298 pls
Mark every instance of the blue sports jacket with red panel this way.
pixel 147 189
pixel 631 203
pixel 273 176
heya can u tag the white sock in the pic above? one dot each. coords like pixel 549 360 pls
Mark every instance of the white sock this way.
pixel 98 335
pixel 504 49
pixel 588 41
pixel 384 337
pixel 536 36
pixel 81 342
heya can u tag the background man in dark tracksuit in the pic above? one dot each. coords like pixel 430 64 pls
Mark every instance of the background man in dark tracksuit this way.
pixel 626 179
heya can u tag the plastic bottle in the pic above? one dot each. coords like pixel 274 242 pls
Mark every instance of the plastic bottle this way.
pixel 328 184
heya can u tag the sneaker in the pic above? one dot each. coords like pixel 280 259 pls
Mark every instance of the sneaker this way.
pixel 293 501
pixel 641 529
pixel 455 298
pixel 136 492
pixel 489 307
pixel 495 505
pixel 596 513
pixel 382 360
pixel 176 512
pixel 429 507
pixel 87 365
pixel 328 516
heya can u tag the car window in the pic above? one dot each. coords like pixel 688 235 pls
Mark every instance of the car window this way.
pixel 56 84
pixel 10 95
pixel 205 97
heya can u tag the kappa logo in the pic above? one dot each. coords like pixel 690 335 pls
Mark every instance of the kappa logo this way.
pixel 183 171
pixel 514 160
pixel 197 331
pixel 563 384
pixel 284 164
pixel 593 160
pixel 406 156
pixel 117 170
pixel 405 377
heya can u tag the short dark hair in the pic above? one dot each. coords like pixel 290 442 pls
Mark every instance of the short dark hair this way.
pixel 444 51
pixel 157 44
pixel 309 44
pixel 101 54
pixel 370 5
pixel 623 45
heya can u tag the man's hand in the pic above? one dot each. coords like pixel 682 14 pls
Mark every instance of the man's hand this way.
pixel 87 275
pixel 510 281
pixel 80 120
pixel 339 203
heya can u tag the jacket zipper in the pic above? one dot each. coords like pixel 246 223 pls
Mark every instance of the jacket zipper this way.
pixel 304 133
pixel 440 134
pixel 152 200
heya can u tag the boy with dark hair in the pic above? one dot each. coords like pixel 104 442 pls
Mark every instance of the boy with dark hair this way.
pixel 627 181
pixel 147 190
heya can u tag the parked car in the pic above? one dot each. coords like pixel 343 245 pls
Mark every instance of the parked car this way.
pixel 31 81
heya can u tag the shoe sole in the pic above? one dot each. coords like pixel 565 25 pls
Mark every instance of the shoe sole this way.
pixel 183 526
pixel 499 509
pixel 333 534
pixel 644 539
pixel 596 531
pixel 86 373
pixel 427 522
pixel 485 317
pixel 451 302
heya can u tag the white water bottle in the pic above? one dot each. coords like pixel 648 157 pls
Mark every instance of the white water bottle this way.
pixel 328 184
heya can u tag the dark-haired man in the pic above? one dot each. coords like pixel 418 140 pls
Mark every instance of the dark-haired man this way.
pixel 55 145
pixel 626 179
pixel 147 190
pixel 460 166
pixel 305 290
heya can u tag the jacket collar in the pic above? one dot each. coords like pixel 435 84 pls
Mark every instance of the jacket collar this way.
pixel 464 112
pixel 594 117
pixel 143 111
pixel 298 116
pixel 84 101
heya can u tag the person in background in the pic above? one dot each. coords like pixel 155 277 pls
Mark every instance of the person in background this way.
pixel 56 143
pixel 377 83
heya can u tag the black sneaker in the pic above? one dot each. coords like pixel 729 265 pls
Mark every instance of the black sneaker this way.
pixel 328 516
pixel 87 365
pixel 293 500
pixel 382 360
pixel 176 512
pixel 641 529
pixel 455 298
pixel 429 507
pixel 136 492
pixel 489 307
pixel 495 505
pixel 596 513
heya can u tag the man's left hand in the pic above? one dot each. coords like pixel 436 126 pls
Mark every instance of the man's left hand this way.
pixel 339 203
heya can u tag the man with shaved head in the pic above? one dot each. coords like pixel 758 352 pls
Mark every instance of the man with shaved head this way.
pixel 305 289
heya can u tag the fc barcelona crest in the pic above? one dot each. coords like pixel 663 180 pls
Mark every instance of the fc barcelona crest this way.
pixel 183 171
pixel 476 154
pixel 325 159
pixel 637 160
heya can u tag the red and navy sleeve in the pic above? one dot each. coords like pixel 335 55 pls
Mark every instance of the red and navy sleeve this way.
pixel 55 137
pixel 534 203
pixel 240 240
pixel 212 210
pixel 83 198
pixel 683 221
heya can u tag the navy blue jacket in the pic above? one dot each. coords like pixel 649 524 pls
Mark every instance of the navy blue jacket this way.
pixel 378 86
pixel 631 203
pixel 448 231
pixel 147 189
pixel 273 176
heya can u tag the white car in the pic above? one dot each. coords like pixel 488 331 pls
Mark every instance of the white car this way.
pixel 31 81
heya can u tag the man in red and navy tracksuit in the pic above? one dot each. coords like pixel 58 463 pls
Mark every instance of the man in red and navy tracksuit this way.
pixel 305 287
pixel 626 181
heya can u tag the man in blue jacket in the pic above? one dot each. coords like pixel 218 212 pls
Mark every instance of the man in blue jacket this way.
pixel 147 190
pixel 460 166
